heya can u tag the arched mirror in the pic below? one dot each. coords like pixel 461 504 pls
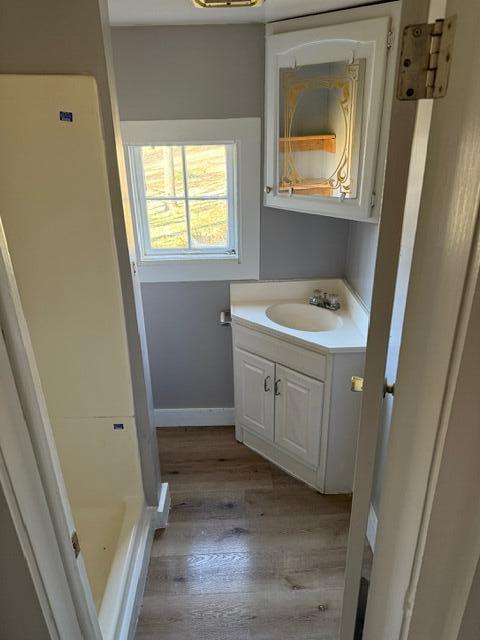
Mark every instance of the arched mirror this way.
pixel 320 112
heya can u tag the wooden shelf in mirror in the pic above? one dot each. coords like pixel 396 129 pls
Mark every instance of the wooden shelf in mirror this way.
pixel 323 142
pixel 309 188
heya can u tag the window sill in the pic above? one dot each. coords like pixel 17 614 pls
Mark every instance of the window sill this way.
pixel 179 259
pixel 198 270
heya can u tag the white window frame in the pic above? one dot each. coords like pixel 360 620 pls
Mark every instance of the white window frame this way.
pixel 244 186
pixel 137 176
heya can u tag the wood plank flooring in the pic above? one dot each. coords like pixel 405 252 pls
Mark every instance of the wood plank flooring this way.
pixel 250 553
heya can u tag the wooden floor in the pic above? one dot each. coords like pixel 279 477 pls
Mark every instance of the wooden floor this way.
pixel 249 553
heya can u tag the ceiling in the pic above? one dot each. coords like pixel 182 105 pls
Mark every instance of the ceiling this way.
pixel 152 12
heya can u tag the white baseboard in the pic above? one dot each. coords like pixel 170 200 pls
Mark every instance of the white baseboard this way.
pixel 132 598
pixel 208 417
pixel 160 518
pixel 152 519
pixel 372 527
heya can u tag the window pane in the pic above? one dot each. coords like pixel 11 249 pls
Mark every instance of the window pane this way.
pixel 162 167
pixel 206 170
pixel 167 223
pixel 209 223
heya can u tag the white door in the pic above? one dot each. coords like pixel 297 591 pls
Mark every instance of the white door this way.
pixel 254 402
pixel 298 414
pixel 428 538
pixel 397 173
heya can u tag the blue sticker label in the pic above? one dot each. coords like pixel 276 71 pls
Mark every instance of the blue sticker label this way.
pixel 66 116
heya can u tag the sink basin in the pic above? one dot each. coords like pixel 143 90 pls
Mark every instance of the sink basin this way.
pixel 303 316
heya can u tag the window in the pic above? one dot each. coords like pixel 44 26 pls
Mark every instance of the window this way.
pixel 188 199
pixel 195 193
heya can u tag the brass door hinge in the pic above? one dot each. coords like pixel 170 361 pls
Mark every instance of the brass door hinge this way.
pixel 425 59
pixel 390 37
pixel 388 389
pixel 75 544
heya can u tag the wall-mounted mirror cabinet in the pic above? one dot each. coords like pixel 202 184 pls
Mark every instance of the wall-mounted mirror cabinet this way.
pixel 325 110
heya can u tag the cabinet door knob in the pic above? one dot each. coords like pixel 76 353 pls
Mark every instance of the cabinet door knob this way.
pixel 266 384
pixel 268 189
pixel 277 387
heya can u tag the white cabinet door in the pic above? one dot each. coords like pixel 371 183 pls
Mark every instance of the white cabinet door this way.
pixel 325 95
pixel 254 380
pixel 298 414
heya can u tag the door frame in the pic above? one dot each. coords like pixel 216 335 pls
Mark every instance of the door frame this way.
pixel 24 496
pixel 30 468
pixel 29 511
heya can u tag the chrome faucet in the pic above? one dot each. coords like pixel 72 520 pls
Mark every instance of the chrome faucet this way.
pixel 325 300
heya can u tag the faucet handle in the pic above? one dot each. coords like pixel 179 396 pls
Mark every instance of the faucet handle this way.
pixel 319 298
pixel 316 297
pixel 332 301
pixel 320 295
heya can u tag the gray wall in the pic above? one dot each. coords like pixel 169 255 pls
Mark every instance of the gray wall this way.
pixel 21 617
pixel 207 71
pixel 360 261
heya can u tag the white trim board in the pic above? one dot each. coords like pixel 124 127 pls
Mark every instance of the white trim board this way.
pixel 207 417
pixel 137 572
pixel 151 520
pixel 372 525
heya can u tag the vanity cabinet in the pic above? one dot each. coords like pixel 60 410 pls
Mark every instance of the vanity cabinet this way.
pixel 279 404
pixel 328 91
pixel 294 406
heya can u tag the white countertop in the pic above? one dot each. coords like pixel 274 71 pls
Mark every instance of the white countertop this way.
pixel 250 301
